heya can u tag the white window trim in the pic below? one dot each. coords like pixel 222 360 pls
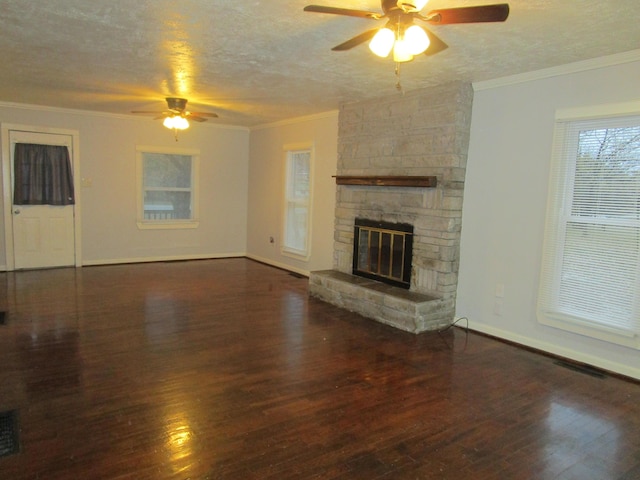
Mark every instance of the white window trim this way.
pixel 566 322
pixel 284 250
pixel 195 180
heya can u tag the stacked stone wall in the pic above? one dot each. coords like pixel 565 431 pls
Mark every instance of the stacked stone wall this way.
pixel 423 133
pixel 420 133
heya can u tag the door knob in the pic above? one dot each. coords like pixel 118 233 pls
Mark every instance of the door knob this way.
pixel 16 211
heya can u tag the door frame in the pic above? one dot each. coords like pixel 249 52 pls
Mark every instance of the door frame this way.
pixel 7 188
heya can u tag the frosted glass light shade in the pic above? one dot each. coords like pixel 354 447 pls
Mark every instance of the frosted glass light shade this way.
pixel 382 42
pixel 176 123
pixel 180 123
pixel 401 51
pixel 416 39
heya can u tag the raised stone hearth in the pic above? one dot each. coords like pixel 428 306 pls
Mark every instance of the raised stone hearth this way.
pixel 410 311
pixel 414 136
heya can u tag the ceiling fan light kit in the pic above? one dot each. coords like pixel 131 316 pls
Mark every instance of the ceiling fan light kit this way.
pixel 176 123
pixel 404 38
pixel 176 116
pixel 405 46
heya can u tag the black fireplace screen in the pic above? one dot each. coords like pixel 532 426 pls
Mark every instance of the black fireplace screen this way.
pixel 382 251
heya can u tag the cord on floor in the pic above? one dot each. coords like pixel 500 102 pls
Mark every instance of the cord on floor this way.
pixel 454 323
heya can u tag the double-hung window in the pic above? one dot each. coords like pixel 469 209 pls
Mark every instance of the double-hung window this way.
pixel 167 193
pixel 297 203
pixel 590 278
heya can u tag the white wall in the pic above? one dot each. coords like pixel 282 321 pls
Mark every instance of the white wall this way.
pixel 505 201
pixel 266 187
pixel 108 206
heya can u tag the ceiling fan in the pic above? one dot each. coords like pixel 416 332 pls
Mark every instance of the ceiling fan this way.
pixel 177 117
pixel 401 35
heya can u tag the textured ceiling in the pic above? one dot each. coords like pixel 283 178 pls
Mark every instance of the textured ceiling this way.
pixel 256 62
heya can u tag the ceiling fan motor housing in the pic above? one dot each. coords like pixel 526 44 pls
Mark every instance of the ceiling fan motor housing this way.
pixel 175 103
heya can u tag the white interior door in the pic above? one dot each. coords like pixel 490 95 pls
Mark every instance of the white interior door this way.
pixel 43 235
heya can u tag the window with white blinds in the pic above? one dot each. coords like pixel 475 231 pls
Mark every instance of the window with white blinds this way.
pixel 590 278
pixel 297 201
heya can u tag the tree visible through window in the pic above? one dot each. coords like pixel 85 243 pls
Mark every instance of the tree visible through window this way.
pixel 296 228
pixel 591 271
pixel 167 187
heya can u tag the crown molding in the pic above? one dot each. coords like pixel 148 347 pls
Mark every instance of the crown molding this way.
pixel 292 121
pixel 575 67
pixel 93 113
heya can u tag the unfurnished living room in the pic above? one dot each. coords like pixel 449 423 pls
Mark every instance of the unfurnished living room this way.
pixel 351 239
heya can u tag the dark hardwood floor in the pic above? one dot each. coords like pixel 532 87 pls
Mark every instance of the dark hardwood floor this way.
pixel 225 369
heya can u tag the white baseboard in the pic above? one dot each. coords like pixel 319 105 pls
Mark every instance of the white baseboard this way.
pixel 571 354
pixel 282 266
pixel 172 258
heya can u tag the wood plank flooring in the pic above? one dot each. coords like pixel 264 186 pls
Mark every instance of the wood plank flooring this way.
pixel 225 369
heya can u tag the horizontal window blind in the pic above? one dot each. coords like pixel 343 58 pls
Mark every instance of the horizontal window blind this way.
pixel 297 202
pixel 591 260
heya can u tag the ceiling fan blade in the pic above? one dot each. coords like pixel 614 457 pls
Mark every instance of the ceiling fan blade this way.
pixel 355 41
pixel 343 11
pixel 482 13
pixel 147 112
pixel 204 114
pixel 196 118
pixel 436 45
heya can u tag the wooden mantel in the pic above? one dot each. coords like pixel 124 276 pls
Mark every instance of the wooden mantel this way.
pixel 386 180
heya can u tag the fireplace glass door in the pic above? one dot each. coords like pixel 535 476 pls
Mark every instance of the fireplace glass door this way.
pixel 382 251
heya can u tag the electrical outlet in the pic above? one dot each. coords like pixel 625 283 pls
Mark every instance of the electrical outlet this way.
pixel 500 290
pixel 497 307
pixel 272 240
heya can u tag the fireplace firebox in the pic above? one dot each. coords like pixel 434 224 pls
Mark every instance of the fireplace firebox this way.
pixel 382 251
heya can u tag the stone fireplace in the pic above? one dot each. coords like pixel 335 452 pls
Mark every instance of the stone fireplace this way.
pixel 401 160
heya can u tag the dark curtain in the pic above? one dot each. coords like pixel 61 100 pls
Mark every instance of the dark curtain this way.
pixel 42 175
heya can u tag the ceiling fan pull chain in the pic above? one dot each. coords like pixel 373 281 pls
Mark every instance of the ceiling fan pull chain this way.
pixel 398 84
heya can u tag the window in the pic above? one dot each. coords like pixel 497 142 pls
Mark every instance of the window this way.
pixel 590 279
pixel 167 181
pixel 297 201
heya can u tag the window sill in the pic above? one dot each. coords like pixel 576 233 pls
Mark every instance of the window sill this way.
pixel 174 225
pixel 297 254
pixel 626 338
